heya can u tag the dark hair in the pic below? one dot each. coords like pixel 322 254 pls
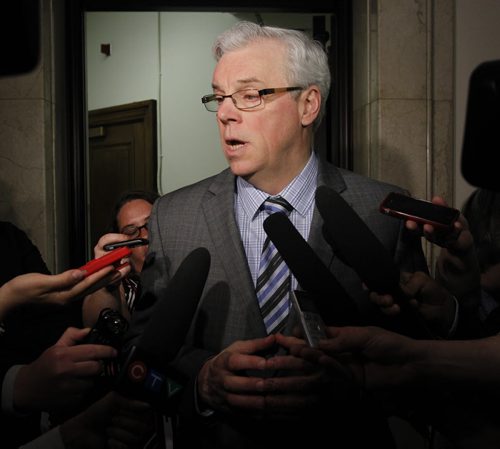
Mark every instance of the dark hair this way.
pixel 128 196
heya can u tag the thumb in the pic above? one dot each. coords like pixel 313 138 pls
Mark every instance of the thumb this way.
pixel 66 279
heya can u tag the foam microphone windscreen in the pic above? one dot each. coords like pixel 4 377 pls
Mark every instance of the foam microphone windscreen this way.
pixel 332 301
pixel 144 373
pixel 357 246
pixel 172 315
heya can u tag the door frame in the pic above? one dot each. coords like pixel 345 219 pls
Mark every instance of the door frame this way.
pixel 76 113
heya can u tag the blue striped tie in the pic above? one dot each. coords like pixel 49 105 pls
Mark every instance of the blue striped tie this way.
pixel 273 281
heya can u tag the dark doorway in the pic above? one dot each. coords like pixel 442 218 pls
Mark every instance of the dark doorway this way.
pixel 122 156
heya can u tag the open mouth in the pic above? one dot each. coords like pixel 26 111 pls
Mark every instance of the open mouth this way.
pixel 235 144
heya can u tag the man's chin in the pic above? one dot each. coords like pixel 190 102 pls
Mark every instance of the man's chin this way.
pixel 241 170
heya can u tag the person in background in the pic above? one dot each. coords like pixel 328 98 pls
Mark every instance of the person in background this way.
pixel 269 90
pixel 129 220
pixel 24 256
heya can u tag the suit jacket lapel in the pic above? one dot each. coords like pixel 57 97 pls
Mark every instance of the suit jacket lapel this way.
pixel 222 226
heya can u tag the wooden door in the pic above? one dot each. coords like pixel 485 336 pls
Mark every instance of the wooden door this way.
pixel 122 156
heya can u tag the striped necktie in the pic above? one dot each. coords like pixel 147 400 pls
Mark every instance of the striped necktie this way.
pixel 274 280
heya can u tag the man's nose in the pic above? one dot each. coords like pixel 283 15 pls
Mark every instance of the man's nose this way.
pixel 227 110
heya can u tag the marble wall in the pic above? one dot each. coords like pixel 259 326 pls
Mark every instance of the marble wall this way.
pixel 403 95
pixel 27 148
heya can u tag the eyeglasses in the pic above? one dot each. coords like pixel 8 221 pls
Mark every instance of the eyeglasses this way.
pixel 243 99
pixel 134 231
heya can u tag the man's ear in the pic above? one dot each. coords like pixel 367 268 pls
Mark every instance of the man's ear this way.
pixel 310 105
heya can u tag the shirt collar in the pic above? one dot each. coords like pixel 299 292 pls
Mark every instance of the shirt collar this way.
pixel 299 193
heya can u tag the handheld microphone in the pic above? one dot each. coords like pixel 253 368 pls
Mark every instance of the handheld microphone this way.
pixel 143 375
pixel 357 246
pixel 332 301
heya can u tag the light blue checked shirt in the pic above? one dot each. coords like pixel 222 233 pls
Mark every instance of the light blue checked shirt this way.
pixel 299 193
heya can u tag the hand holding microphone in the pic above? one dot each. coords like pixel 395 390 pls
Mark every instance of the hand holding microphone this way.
pixel 141 372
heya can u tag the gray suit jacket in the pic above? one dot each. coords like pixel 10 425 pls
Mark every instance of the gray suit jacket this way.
pixel 202 215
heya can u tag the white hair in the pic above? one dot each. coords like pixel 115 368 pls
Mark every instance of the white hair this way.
pixel 307 61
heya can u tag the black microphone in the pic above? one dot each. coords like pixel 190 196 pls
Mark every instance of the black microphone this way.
pixel 356 245
pixel 332 301
pixel 143 374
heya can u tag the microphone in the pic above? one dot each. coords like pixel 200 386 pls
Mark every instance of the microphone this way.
pixel 143 375
pixel 357 246
pixel 334 305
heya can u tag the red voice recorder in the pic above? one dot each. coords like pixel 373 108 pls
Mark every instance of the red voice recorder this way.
pixel 112 258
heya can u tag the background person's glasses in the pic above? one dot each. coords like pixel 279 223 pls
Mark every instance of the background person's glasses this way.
pixel 134 231
pixel 243 99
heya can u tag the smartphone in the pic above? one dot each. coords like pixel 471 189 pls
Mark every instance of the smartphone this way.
pixel 421 211
pixel 312 326
pixel 128 243
pixel 110 258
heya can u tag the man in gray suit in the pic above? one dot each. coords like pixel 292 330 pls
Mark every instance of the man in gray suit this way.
pixel 269 91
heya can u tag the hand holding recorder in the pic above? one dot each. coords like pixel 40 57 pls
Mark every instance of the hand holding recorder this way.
pixel 112 241
pixel 120 250
pixel 49 288
pixel 434 219
pixel 457 267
